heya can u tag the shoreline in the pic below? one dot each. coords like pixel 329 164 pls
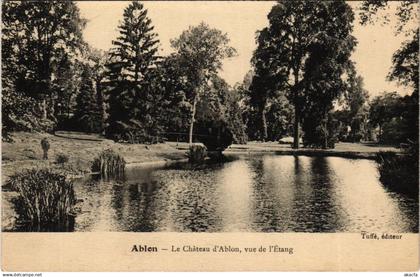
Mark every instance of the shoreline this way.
pixel 154 163
pixel 25 152
pixel 310 153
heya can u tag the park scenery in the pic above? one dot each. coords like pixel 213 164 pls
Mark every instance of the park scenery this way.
pixel 288 116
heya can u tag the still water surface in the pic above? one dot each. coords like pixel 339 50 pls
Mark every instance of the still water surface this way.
pixel 252 194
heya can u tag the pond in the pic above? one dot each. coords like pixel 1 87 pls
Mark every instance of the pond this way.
pixel 264 193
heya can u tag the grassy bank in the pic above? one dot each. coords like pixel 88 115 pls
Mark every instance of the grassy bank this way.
pixel 26 152
pixel 79 149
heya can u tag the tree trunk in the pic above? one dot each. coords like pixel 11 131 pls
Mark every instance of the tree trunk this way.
pixel 380 133
pixel 68 106
pixel 100 103
pixel 44 108
pixel 264 124
pixel 297 112
pixel 296 129
pixel 192 120
pixel 52 110
pixel 325 131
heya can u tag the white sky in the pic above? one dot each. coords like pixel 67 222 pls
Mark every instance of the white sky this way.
pixel 240 20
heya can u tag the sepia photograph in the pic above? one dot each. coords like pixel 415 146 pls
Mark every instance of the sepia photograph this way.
pixel 215 117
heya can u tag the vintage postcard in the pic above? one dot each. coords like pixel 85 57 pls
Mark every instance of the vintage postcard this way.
pixel 210 136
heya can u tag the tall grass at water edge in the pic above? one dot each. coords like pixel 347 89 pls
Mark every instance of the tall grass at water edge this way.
pixel 109 164
pixel 44 197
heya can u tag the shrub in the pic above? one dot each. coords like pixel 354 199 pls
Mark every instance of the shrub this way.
pixel 320 132
pixel 30 154
pixel 109 163
pixel 133 131
pixel 392 131
pixel 45 197
pixel 357 137
pixel 61 159
pixel 197 153
pixel 215 135
pixel 399 172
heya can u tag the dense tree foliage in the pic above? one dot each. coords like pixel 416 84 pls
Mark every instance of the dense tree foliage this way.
pixel 70 81
pixel 88 113
pixel 353 111
pixel 270 123
pixel 402 113
pixel 220 104
pixel 173 107
pixel 200 51
pixel 264 83
pixel 405 65
pixel 304 51
pixel 302 78
pixel 38 40
pixel 129 71
pixel 217 104
pixel 18 113
pixel 405 70
pixel 388 112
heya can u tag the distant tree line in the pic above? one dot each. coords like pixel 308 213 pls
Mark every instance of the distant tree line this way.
pixel 401 113
pixel 302 84
pixel 304 81
pixel 53 79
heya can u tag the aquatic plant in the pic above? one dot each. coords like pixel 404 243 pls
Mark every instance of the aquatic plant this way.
pixel 197 153
pixel 109 163
pixel 44 197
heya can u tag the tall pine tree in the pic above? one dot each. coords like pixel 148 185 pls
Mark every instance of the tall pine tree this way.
pixel 88 112
pixel 132 58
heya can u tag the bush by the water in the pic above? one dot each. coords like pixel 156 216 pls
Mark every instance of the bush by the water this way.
pixel 44 197
pixel 109 163
pixel 215 135
pixel 21 113
pixel 320 133
pixel 197 153
pixel 400 172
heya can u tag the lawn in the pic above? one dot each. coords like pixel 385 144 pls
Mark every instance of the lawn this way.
pixel 26 152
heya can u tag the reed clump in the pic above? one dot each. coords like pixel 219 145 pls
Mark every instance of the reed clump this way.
pixel 44 197
pixel 109 163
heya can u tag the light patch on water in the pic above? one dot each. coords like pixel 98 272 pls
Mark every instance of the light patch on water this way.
pixel 234 182
pixel 366 204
